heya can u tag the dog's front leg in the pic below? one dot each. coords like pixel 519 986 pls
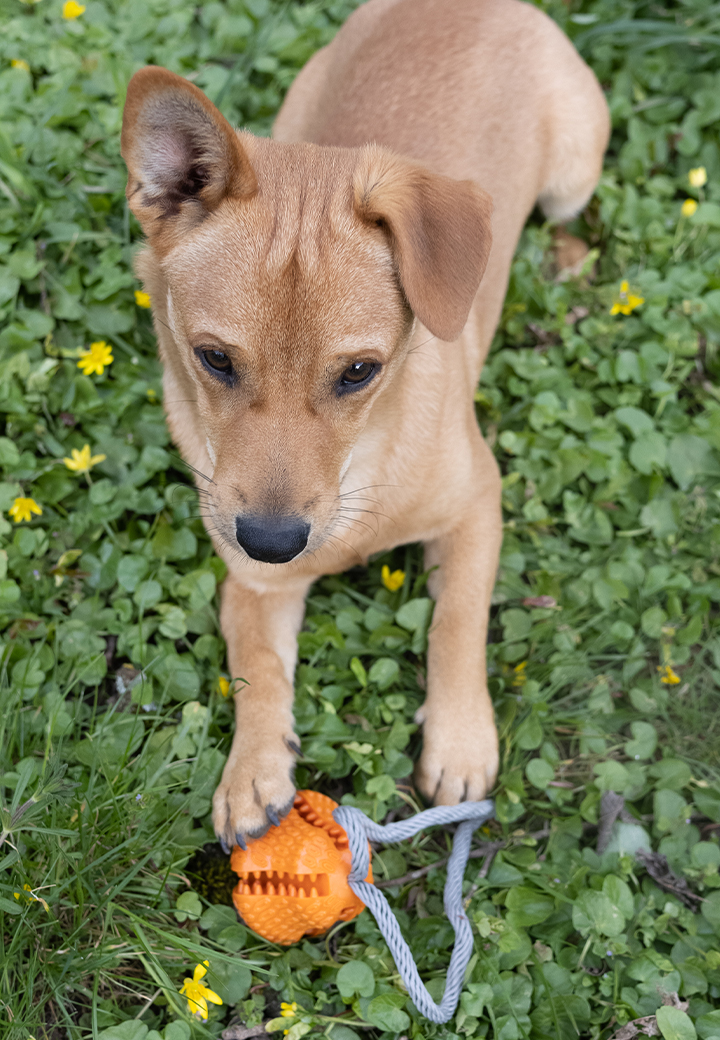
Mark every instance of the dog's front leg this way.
pixel 260 624
pixel 460 745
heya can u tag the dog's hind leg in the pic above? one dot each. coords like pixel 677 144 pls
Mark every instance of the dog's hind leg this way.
pixel 260 624
pixel 578 126
pixel 460 746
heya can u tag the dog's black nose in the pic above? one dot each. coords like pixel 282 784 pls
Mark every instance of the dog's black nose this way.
pixel 272 539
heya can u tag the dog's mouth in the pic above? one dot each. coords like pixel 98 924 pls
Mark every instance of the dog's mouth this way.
pixel 273 883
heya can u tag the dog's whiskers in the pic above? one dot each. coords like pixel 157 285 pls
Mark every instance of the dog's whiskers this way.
pixel 361 509
pixel 194 469
pixel 336 537
pixel 356 520
pixel 340 522
pixel 419 345
pixel 370 512
pixel 364 498
pixel 367 487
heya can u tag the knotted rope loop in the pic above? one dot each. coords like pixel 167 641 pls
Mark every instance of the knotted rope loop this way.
pixel 360 830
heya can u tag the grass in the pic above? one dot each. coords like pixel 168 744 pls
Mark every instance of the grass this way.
pixel 113 726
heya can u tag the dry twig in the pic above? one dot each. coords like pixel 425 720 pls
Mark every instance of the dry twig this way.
pixel 240 1032
pixel 489 848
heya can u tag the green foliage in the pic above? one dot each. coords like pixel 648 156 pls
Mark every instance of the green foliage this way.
pixel 113 726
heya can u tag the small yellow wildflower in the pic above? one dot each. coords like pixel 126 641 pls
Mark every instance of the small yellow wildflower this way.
pixel 30 896
pixel 197 992
pixel 393 581
pixel 688 207
pixel 626 302
pixel 142 299
pixel 23 508
pixel 82 461
pixel 697 177
pixel 223 686
pixel 519 671
pixel 72 9
pixel 19 63
pixel 667 675
pixel 96 358
pixel 288 1010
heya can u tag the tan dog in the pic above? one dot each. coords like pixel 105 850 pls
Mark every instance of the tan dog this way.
pixel 319 319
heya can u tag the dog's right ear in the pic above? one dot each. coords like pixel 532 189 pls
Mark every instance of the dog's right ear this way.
pixel 182 155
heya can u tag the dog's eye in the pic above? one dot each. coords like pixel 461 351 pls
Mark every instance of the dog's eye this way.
pixel 356 375
pixel 217 363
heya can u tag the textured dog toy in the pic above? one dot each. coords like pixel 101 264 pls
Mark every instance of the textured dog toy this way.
pixel 281 864
pixel 293 881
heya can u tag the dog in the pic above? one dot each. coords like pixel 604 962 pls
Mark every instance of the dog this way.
pixel 323 303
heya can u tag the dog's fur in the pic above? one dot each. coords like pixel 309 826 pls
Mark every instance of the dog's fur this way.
pixel 360 234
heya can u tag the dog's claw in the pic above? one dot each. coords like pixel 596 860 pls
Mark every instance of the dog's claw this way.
pixel 244 807
pixel 224 847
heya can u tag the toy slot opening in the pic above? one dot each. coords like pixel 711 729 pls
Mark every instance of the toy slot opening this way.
pixel 273 883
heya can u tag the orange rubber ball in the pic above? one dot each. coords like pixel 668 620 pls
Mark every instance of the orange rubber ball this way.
pixel 293 880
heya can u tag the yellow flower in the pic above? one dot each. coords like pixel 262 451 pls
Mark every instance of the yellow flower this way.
pixel 393 581
pixel 697 177
pixel 288 1010
pixel 82 461
pixel 30 896
pixel 223 686
pixel 23 508
pixel 142 299
pixel 18 63
pixel 96 358
pixel 520 676
pixel 626 302
pixel 688 207
pixel 71 9
pixel 667 675
pixel 197 992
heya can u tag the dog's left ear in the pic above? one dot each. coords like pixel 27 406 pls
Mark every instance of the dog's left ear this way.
pixel 182 155
pixel 440 230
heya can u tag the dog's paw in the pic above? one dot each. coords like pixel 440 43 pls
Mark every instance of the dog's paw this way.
pixel 256 791
pixel 459 762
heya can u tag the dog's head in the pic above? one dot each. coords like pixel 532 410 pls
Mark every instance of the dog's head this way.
pixel 285 282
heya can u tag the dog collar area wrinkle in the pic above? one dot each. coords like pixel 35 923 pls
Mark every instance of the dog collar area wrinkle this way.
pixel 350 835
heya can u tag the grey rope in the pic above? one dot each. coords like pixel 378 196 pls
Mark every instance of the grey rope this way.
pixel 359 829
